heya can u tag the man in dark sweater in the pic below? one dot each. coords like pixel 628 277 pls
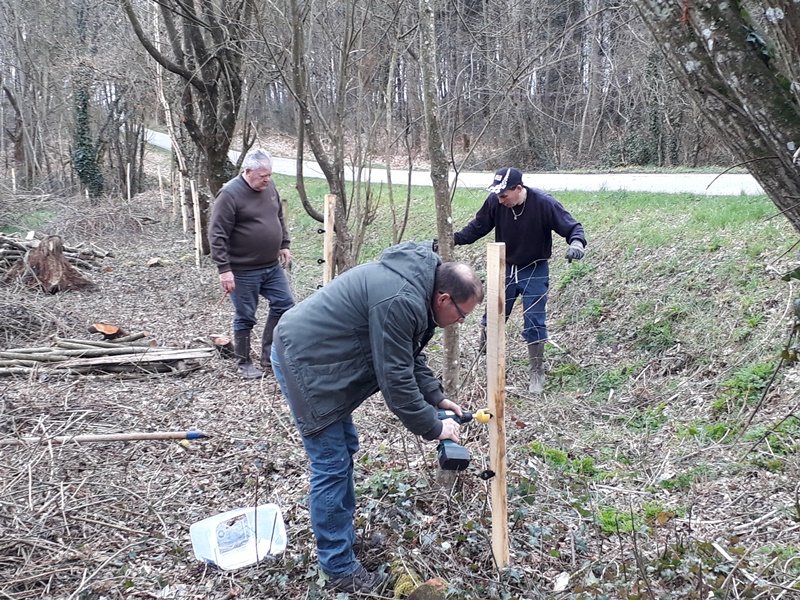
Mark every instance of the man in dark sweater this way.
pixel 250 245
pixel 525 218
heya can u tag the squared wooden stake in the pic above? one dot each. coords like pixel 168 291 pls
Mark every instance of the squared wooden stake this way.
pixel 198 234
pixel 496 391
pixel 327 243
pixel 161 188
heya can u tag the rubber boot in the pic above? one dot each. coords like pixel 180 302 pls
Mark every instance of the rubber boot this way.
pixel 241 347
pixel 266 342
pixel 536 356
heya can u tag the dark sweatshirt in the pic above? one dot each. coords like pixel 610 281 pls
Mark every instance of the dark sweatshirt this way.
pixel 247 228
pixel 529 237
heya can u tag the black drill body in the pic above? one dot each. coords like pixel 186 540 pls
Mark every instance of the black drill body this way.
pixel 452 456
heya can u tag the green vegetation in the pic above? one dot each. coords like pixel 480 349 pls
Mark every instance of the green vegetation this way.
pixel 682 482
pixel 35 220
pixel 744 388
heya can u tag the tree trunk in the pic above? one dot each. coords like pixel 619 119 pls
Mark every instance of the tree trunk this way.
pixel 439 173
pixel 735 69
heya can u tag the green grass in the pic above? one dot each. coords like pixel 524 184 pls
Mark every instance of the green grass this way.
pixel 744 388
pixel 695 220
pixel 31 221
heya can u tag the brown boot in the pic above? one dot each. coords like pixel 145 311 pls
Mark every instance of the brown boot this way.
pixel 536 356
pixel 241 348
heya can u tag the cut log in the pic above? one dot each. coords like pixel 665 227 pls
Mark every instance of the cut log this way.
pixel 46 267
pixel 109 330
pixel 223 345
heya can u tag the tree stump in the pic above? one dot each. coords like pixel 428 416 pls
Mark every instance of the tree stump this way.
pixel 45 267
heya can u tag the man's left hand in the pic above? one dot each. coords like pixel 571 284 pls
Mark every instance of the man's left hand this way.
pixel 285 257
pixel 575 251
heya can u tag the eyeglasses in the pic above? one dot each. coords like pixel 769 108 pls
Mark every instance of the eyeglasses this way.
pixel 461 313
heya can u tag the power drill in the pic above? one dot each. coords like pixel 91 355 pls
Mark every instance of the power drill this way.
pixel 451 456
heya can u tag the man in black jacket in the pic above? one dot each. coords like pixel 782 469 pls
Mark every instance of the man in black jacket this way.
pixel 524 218
pixel 250 245
pixel 364 332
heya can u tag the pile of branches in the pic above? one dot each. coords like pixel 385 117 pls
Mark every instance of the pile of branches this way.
pixel 14 248
pixel 129 354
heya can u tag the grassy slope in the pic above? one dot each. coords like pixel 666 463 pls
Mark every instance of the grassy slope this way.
pixel 663 340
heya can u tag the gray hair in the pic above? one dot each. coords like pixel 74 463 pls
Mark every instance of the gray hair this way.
pixel 257 159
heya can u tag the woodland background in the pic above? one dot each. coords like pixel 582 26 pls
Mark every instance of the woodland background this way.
pixel 662 462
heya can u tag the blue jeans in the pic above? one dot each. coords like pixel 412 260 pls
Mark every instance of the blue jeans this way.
pixel 532 283
pixel 332 497
pixel 270 283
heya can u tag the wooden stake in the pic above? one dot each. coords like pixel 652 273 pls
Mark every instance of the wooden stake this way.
pixel 198 234
pixel 182 199
pixel 327 244
pixel 161 188
pixel 13 180
pixel 173 196
pixel 495 389
pixel 128 179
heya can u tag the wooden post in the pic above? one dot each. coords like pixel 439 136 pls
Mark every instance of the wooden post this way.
pixel 182 200
pixel 198 234
pixel 161 188
pixel 128 179
pixel 495 390
pixel 173 195
pixel 327 245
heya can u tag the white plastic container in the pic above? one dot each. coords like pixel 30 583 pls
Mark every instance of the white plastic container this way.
pixel 241 537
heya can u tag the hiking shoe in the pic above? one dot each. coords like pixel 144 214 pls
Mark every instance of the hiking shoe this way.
pixel 249 371
pixel 359 581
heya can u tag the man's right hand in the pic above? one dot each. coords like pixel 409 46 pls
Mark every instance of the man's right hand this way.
pixel 226 279
pixel 450 430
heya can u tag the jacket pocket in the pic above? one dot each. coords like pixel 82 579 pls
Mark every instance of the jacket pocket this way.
pixel 338 388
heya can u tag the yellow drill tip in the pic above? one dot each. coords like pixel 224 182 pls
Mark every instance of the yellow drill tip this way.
pixel 483 416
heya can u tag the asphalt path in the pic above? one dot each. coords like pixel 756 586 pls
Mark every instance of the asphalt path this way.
pixel 728 184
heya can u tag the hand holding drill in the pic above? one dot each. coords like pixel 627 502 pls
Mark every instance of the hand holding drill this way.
pixel 450 455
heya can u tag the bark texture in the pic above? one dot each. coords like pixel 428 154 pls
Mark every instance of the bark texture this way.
pixel 738 62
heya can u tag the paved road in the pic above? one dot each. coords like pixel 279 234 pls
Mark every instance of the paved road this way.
pixel 730 184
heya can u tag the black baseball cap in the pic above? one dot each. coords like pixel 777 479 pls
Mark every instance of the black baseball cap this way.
pixel 506 178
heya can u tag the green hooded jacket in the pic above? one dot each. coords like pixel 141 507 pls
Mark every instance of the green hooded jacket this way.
pixel 361 333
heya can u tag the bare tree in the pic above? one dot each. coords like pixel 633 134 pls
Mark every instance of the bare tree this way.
pixel 330 63
pixel 208 47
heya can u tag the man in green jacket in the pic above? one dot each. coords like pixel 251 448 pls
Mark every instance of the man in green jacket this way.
pixel 364 332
